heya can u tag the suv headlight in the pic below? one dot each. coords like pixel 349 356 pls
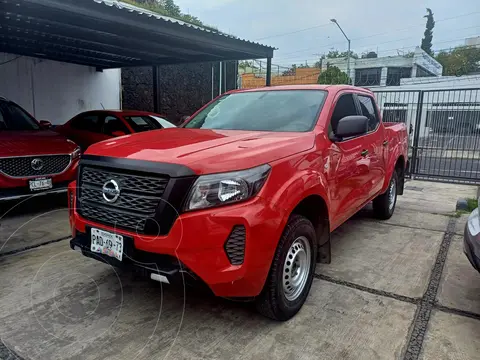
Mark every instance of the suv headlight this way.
pixel 76 153
pixel 226 188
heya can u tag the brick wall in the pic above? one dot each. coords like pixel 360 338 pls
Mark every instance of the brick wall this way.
pixel 302 77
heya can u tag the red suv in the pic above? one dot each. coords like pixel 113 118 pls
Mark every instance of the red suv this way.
pixel 91 127
pixel 33 159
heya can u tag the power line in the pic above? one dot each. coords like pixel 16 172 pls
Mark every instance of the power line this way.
pixel 293 32
pixel 373 44
pixel 387 32
pixel 370 36
pixel 385 50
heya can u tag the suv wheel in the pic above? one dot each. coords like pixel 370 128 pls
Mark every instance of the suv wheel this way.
pixel 291 273
pixel 384 205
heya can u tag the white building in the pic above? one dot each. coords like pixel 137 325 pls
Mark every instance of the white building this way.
pixel 387 71
pixel 473 41
pixel 445 104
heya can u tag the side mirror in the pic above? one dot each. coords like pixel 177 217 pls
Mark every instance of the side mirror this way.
pixel 45 124
pixel 352 126
pixel 118 133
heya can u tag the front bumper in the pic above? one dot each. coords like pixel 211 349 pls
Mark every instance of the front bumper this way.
pixel 197 241
pixel 18 188
pixel 471 240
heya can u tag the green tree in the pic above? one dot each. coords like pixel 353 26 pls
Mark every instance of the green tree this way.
pixel 171 8
pixel 370 55
pixel 462 60
pixel 428 34
pixel 168 8
pixel 333 75
pixel 335 54
pixel 290 71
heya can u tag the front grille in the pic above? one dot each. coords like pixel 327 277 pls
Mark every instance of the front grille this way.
pixel 22 166
pixel 135 208
pixel 235 245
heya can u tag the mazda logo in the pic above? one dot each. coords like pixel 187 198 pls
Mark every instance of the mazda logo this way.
pixel 37 164
pixel 111 191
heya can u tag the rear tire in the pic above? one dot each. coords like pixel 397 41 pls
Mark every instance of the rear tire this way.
pixel 384 205
pixel 291 273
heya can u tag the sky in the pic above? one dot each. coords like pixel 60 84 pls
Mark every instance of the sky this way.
pixel 301 30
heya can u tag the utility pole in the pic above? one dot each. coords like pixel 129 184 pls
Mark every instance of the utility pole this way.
pixel 348 54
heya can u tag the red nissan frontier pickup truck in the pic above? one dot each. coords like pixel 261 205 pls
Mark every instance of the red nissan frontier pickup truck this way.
pixel 244 196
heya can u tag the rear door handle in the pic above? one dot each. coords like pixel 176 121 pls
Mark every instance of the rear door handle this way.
pixel 385 143
pixel 364 153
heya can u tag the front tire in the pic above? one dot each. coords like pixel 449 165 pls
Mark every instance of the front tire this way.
pixel 291 273
pixel 384 205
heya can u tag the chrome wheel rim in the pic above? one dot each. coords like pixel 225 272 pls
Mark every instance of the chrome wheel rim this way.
pixel 296 268
pixel 392 193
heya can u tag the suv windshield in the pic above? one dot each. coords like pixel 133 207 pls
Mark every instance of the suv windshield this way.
pixel 276 110
pixel 13 117
pixel 144 123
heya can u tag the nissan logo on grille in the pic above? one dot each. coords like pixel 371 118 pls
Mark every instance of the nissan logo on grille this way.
pixel 37 164
pixel 111 191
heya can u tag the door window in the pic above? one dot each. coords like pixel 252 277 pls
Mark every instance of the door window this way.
pixel 368 110
pixel 345 107
pixel 87 123
pixel 13 117
pixel 112 124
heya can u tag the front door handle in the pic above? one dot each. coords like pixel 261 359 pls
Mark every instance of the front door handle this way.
pixel 364 153
pixel 385 143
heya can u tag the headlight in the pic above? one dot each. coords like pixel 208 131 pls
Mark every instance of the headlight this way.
pixel 226 188
pixel 76 153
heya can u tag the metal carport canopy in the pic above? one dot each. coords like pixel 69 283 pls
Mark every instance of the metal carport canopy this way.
pixel 110 34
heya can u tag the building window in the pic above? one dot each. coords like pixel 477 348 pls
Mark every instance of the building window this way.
pixel 421 72
pixel 368 77
pixel 394 74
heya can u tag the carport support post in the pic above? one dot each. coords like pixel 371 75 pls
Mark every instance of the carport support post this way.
pixel 418 120
pixel 156 89
pixel 269 72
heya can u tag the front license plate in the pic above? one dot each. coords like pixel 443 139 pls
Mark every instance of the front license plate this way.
pixel 40 184
pixel 107 243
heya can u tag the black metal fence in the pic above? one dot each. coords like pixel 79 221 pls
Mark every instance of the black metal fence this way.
pixel 444 130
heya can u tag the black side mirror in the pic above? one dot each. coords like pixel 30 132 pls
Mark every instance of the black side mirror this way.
pixel 354 125
pixel 45 124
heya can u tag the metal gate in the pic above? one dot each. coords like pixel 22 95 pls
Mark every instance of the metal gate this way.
pixel 444 128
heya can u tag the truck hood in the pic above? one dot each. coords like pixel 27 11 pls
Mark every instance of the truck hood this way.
pixel 206 151
pixel 39 142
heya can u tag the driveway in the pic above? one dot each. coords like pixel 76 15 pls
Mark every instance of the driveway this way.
pixel 399 289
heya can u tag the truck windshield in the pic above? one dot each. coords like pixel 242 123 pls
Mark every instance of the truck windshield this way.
pixel 13 117
pixel 275 110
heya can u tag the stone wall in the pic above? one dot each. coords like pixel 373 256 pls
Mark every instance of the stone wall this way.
pixel 183 88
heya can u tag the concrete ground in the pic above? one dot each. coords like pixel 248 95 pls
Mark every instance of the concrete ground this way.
pixel 399 289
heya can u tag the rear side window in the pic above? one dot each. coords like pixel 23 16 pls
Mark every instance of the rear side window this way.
pixel 345 107
pixel 112 124
pixel 142 123
pixel 368 109
pixel 87 123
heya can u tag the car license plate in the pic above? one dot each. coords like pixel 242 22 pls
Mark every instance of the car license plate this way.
pixel 40 184
pixel 107 243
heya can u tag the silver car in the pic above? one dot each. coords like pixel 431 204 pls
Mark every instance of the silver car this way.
pixel 471 241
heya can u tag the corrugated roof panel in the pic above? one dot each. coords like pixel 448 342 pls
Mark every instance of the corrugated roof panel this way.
pixel 141 11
